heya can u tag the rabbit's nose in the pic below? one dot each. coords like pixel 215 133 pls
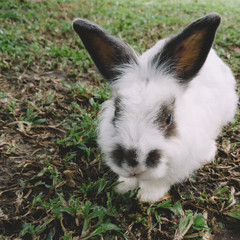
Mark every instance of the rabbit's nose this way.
pixel 135 172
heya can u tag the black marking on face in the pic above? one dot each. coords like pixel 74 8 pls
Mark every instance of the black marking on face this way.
pixel 118 155
pixel 165 119
pixel 153 158
pixel 131 157
pixel 117 112
pixel 121 154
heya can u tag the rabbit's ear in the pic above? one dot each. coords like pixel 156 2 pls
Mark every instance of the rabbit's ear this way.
pixel 107 52
pixel 184 54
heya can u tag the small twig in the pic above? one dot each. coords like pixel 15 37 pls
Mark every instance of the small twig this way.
pixel 128 230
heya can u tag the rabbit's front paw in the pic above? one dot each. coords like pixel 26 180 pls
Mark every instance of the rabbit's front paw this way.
pixel 152 192
pixel 126 185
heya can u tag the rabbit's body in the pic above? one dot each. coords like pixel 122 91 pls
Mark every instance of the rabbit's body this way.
pixel 200 112
pixel 158 128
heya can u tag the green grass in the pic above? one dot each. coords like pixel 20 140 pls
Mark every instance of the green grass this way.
pixel 50 97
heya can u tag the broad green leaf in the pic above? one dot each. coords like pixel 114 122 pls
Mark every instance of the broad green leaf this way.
pixel 40 121
pixel 199 220
pixel 166 204
pixel 43 226
pixel 86 208
pixel 185 222
pixel 63 209
pixel 220 191
pixel 102 229
pixel 234 214
pixel 101 184
pixel 177 208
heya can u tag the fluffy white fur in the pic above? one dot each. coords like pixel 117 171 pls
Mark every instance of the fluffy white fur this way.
pixel 202 108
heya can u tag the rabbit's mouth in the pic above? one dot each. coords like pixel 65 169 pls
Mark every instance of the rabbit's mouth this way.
pixel 136 172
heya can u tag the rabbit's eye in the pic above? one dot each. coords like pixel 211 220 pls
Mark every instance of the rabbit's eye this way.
pixel 165 120
pixel 169 119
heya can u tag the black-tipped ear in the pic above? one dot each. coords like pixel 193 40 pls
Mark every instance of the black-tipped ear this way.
pixel 184 54
pixel 107 52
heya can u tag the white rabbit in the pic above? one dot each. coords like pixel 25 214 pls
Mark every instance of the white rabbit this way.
pixel 168 105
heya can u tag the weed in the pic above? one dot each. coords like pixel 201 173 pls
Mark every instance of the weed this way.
pixel 3 94
pixel 82 134
pixel 33 230
pixel 11 107
pixel 11 149
pixel 235 213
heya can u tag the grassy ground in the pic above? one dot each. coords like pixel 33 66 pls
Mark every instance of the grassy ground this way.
pixel 53 184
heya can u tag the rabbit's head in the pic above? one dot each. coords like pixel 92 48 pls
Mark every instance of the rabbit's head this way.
pixel 139 122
